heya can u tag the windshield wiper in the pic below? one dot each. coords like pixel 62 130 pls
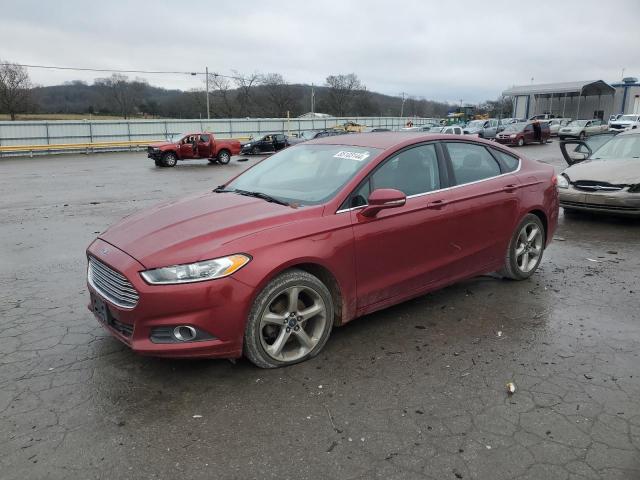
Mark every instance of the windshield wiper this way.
pixel 221 189
pixel 261 195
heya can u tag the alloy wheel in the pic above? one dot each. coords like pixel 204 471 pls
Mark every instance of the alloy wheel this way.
pixel 293 323
pixel 528 247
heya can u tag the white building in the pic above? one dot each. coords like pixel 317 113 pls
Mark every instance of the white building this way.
pixel 578 100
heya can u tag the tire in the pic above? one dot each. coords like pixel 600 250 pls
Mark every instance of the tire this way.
pixel 520 141
pixel 224 157
pixel 582 136
pixel 169 159
pixel 271 344
pixel 517 266
pixel 255 150
pixel 561 138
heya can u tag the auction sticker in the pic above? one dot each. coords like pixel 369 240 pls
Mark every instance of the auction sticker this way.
pixel 357 156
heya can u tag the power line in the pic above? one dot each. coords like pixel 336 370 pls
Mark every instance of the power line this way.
pixel 109 70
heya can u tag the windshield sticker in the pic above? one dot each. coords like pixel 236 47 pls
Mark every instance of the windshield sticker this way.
pixel 357 156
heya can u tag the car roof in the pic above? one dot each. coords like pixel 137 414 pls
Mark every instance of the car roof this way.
pixel 387 140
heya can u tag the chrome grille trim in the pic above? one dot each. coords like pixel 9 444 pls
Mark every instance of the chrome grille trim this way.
pixel 111 285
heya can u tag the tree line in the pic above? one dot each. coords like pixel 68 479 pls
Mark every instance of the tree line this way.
pixel 234 96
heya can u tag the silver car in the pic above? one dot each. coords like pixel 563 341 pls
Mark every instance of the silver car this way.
pixel 605 178
pixel 483 128
pixel 582 129
pixel 555 124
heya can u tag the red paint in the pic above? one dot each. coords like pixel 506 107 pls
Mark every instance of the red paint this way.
pixel 398 253
pixel 208 149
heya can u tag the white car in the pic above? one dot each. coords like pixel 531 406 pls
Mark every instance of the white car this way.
pixel 555 124
pixel 582 129
pixel 625 122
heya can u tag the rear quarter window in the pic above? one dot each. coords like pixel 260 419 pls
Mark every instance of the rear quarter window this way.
pixel 509 162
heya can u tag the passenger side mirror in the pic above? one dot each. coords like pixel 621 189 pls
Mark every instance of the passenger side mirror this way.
pixel 575 151
pixel 381 199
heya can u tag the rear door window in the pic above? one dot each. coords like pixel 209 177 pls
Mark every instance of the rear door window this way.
pixel 471 162
pixel 509 162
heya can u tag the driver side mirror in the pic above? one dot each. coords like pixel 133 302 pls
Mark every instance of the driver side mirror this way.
pixel 575 151
pixel 382 199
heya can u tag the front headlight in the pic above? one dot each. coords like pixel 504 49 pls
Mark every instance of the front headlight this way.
pixel 196 272
pixel 513 135
pixel 562 181
pixel 247 144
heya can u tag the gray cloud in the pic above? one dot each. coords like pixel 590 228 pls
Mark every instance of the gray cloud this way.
pixel 469 50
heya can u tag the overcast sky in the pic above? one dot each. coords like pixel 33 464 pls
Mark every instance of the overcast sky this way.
pixel 442 50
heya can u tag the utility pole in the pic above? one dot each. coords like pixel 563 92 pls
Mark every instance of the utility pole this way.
pixel 402 105
pixel 313 99
pixel 207 83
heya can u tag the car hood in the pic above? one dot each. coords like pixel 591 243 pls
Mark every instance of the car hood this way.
pixel 161 144
pixel 616 172
pixel 195 228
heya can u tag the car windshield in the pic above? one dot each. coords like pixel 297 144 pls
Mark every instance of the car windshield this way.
pixel 475 124
pixel 577 123
pixel 621 147
pixel 515 127
pixel 306 174
pixel 629 118
pixel 176 137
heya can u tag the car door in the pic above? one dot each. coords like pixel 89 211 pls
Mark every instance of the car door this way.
pixel 279 142
pixel 528 134
pixel 186 147
pixel 486 204
pixel 492 130
pixel 204 146
pixel 404 249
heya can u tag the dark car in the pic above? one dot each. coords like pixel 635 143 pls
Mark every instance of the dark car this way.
pixel 315 236
pixel 267 144
pixel 519 134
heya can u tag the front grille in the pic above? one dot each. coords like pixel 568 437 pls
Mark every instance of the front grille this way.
pixel 597 206
pixel 112 285
pixel 595 186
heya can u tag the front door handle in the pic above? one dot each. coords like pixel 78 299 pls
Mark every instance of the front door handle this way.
pixel 437 204
pixel 510 188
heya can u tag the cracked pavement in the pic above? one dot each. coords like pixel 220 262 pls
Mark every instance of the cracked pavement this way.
pixel 414 391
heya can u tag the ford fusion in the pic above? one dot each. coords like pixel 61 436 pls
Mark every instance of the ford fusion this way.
pixel 314 236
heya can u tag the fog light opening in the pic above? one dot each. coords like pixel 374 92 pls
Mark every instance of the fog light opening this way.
pixel 184 333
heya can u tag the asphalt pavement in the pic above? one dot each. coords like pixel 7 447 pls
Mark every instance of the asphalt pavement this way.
pixel 417 391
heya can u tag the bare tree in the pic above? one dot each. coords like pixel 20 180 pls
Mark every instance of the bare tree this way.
pixel 220 87
pixel 342 91
pixel 244 84
pixel 15 88
pixel 125 94
pixel 279 94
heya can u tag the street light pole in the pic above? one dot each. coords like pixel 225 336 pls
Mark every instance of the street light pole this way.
pixel 207 83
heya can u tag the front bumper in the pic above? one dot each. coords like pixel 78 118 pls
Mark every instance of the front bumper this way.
pixel 507 140
pixel 614 203
pixel 154 154
pixel 217 307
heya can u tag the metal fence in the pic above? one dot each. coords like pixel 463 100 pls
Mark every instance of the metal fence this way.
pixel 40 133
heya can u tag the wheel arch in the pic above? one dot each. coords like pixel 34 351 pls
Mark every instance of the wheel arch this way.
pixel 319 270
pixel 545 223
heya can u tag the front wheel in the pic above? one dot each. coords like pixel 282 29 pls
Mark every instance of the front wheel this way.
pixel 224 157
pixel 524 253
pixel 520 142
pixel 582 135
pixel 290 321
pixel 169 159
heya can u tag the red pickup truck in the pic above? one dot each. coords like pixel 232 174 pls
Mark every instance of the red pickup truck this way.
pixel 192 146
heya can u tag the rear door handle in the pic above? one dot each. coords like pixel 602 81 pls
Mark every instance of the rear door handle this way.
pixel 437 204
pixel 510 188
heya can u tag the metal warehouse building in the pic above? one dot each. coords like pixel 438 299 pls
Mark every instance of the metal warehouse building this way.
pixel 578 100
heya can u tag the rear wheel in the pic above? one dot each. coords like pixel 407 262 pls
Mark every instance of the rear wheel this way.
pixel 524 253
pixel 169 159
pixel 290 321
pixel 224 157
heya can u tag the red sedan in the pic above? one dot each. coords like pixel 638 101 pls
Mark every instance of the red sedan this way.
pixel 315 236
